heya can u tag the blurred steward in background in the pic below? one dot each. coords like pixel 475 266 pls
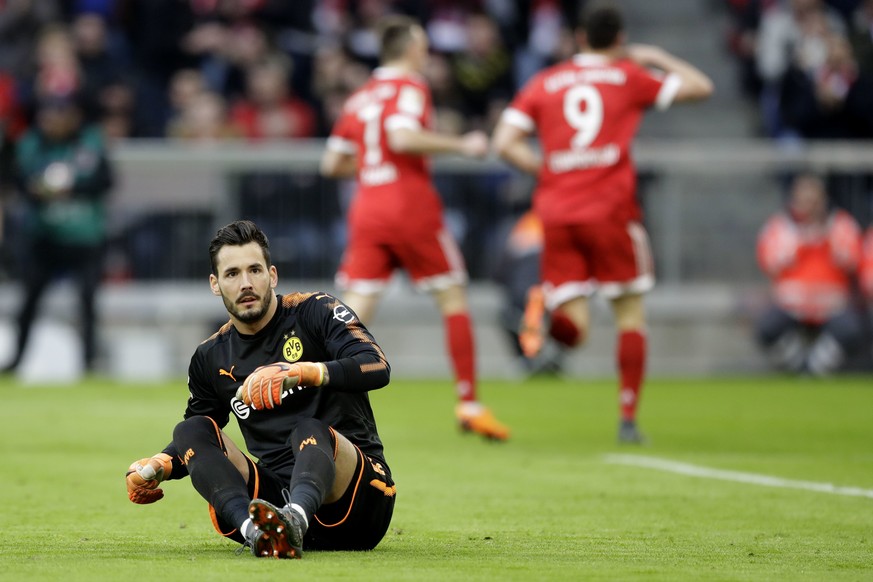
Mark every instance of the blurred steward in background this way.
pixel 63 174
pixel 811 254
pixel 586 111
pixel 866 276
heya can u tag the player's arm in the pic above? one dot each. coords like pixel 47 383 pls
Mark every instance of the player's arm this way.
pixel 338 161
pixel 144 476
pixel 511 143
pixel 356 362
pixel 406 140
pixel 695 84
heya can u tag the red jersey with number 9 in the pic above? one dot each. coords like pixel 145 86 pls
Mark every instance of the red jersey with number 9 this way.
pixel 395 193
pixel 586 112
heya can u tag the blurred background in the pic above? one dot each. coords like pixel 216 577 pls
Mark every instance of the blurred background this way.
pixel 215 110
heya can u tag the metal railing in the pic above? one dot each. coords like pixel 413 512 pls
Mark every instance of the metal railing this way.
pixel 704 201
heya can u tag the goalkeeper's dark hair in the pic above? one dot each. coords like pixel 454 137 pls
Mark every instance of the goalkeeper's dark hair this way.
pixel 395 33
pixel 239 233
pixel 602 22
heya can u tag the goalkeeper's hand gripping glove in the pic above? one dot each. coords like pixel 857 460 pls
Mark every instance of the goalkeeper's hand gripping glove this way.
pixel 144 476
pixel 264 387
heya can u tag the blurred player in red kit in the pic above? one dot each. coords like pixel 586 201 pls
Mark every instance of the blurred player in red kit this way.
pixel 585 112
pixel 396 218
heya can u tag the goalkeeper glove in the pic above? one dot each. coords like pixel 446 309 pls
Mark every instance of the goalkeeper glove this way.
pixel 264 387
pixel 144 476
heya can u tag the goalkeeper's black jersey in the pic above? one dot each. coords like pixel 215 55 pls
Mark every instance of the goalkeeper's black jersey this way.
pixel 313 327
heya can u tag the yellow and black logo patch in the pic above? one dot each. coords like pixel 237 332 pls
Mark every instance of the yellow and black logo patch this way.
pixel 293 349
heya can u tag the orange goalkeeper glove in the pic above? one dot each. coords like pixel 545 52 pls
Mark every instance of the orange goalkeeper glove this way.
pixel 144 476
pixel 264 387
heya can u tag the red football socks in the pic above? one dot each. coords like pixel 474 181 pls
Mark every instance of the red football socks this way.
pixel 462 351
pixel 631 367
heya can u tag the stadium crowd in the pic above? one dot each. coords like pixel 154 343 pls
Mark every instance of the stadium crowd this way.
pixel 207 69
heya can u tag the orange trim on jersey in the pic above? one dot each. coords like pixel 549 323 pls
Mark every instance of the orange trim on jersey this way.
pixel 295 299
pixel 335 443
pixel 354 495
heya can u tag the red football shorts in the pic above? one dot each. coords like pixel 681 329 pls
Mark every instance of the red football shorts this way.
pixel 432 260
pixel 612 258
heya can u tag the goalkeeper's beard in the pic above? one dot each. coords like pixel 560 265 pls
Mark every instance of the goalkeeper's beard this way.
pixel 252 314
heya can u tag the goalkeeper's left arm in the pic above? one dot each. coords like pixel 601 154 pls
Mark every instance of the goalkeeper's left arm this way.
pixel 144 476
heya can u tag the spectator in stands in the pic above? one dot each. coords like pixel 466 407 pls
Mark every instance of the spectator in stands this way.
pixel 64 175
pixel 861 36
pixel 269 110
pixel 20 24
pixel 107 86
pixel 483 70
pixel 58 70
pixel 204 119
pixel 833 100
pixel 791 32
pixel 811 254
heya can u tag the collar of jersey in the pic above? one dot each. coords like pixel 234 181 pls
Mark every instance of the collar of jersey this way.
pixel 589 59
pixel 394 73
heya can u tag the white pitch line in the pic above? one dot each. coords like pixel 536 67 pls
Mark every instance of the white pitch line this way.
pixel 736 476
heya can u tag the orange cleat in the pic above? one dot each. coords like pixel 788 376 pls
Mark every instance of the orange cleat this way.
pixel 474 417
pixel 531 334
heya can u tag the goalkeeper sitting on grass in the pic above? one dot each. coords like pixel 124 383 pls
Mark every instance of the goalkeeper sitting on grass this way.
pixel 295 371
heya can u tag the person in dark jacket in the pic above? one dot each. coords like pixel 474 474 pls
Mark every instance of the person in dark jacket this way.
pixel 62 171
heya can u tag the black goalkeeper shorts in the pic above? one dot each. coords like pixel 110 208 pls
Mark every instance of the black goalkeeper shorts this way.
pixel 357 521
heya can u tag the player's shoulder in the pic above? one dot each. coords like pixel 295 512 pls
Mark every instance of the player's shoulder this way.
pixel 222 334
pixel 307 300
pixel 318 304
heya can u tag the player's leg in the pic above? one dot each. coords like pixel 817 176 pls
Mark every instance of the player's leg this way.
pixel 363 304
pixel 631 354
pixel 38 268
pixel 324 468
pixel 435 265
pixel 460 342
pixel 90 271
pixel 322 471
pixel 472 415
pixel 354 516
pixel 219 471
pixel 840 337
pixel 563 296
pixel 363 275
pixel 622 264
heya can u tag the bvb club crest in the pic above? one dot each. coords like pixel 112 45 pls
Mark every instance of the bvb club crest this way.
pixel 293 349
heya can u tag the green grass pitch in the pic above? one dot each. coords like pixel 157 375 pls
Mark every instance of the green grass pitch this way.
pixel 545 506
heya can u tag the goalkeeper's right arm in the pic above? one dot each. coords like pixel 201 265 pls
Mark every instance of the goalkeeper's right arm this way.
pixel 144 476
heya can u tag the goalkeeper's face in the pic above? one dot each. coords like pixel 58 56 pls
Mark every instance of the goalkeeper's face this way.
pixel 245 283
